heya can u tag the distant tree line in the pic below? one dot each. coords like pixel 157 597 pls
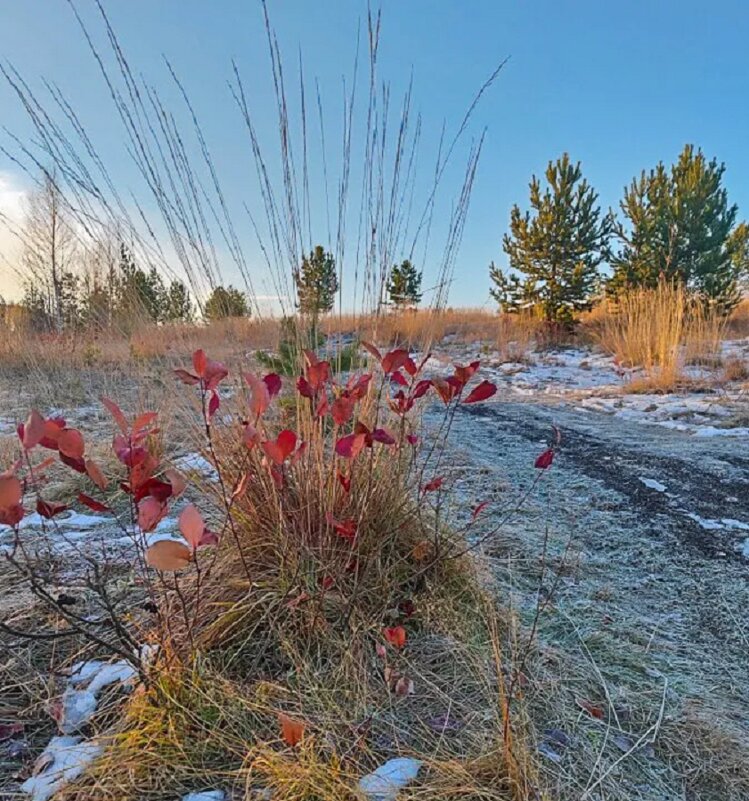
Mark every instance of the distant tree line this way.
pixel 675 224
pixel 69 285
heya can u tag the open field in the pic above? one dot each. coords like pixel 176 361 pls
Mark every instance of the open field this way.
pixel 612 596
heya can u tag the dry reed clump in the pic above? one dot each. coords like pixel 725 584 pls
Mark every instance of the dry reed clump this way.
pixel 326 594
pixel 659 330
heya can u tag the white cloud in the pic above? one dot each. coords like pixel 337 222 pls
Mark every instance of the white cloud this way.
pixel 12 201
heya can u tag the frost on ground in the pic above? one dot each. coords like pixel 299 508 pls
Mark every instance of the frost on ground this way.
pixel 593 382
pixel 648 566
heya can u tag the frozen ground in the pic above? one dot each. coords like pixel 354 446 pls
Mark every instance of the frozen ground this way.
pixel 647 513
pixel 583 379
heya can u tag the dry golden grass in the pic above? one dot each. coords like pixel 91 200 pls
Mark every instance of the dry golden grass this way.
pixel 263 633
pixel 418 328
pixel 738 323
pixel 660 330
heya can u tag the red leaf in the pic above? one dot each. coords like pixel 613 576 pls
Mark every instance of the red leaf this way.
pixel 95 474
pixel 260 396
pixel 161 490
pixel 298 453
pixel 208 538
pixel 350 446
pixel 422 388
pixel 49 509
pixel 465 374
pixel 52 429
pixel 191 525
pixel 445 389
pixel 434 484
pixel 199 362
pixel 318 374
pixel 11 516
pixel 394 360
pixel 477 510
pixel 410 367
pixel 150 512
pixel 412 439
pixel 399 378
pixel 143 421
pixel 395 635
pixel 215 373
pixel 373 350
pixel 345 481
pixel 33 430
pixel 342 410
pixel 213 404
pixel 11 491
pixel 282 448
pixel 383 436
pixel 185 377
pixel 481 392
pixel 326 582
pixel 593 710
pixel 292 730
pixel 70 442
pixel 543 462
pixel 76 464
pixel 344 528
pixel 177 480
pixel 8 730
pixel 273 382
pixel 358 388
pixel 304 388
pixel 92 504
pixel 116 412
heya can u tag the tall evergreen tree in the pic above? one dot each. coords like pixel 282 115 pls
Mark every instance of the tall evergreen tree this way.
pixel 556 248
pixel 178 307
pixel 404 286
pixel 140 294
pixel 316 283
pixel 226 302
pixel 678 223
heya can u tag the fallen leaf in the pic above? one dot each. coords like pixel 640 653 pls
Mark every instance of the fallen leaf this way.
pixel 292 730
pixel 168 555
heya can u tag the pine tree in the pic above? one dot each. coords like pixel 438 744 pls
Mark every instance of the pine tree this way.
pixel 679 224
pixel 738 247
pixel 226 302
pixel 404 287
pixel 316 283
pixel 140 295
pixel 178 307
pixel 557 247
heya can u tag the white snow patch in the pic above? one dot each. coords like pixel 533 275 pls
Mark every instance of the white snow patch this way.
pixel 745 548
pixel 651 483
pixel 78 702
pixel 384 783
pixel 195 463
pixel 205 795
pixel 706 523
pixel 64 759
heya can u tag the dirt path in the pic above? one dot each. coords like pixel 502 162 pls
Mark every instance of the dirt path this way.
pixel 649 619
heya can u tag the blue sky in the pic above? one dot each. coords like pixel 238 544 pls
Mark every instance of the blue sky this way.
pixel 620 85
